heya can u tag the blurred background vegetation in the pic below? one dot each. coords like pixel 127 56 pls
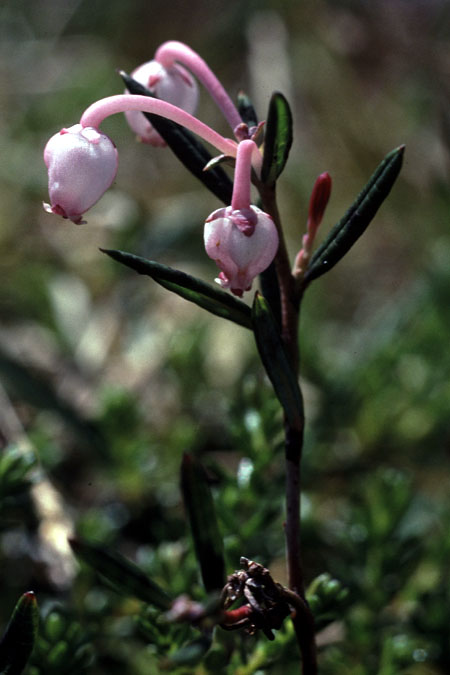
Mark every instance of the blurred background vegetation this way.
pixel 106 379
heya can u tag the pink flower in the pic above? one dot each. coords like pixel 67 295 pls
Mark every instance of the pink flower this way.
pixel 82 164
pixel 174 85
pixel 243 242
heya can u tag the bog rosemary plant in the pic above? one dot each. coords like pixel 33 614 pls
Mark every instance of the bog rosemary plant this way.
pixel 245 238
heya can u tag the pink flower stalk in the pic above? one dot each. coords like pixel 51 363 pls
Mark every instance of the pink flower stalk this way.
pixel 98 111
pixel 173 84
pixel 172 51
pixel 82 164
pixel 317 204
pixel 241 238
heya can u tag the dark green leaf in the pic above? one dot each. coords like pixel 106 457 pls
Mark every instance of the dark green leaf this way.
pixel 20 635
pixel 124 575
pixel 189 150
pixel 346 232
pixel 278 138
pixel 202 519
pixel 276 361
pixel 214 300
pixel 246 110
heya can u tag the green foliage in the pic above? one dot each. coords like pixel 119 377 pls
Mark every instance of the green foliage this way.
pixel 63 647
pixel 174 645
pixel 326 597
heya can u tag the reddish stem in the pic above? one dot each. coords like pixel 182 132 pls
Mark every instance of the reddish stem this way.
pixel 290 306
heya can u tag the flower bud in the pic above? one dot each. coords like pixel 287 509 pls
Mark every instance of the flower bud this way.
pixel 82 164
pixel 243 243
pixel 174 85
pixel 317 204
pixel 319 199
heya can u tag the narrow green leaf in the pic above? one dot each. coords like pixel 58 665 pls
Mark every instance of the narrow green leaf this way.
pixel 186 146
pixel 348 230
pixel 276 361
pixel 18 640
pixel 202 519
pixel 124 575
pixel 278 138
pixel 204 295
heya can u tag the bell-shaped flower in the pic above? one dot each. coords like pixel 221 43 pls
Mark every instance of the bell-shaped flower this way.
pixel 82 164
pixel 174 85
pixel 242 242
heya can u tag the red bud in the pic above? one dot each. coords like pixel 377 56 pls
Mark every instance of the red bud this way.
pixel 319 199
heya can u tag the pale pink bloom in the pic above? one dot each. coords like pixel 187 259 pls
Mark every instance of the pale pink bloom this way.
pixel 82 164
pixel 243 242
pixel 174 85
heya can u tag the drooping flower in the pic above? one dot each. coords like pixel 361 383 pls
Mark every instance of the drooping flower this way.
pixel 173 84
pixel 243 242
pixel 82 164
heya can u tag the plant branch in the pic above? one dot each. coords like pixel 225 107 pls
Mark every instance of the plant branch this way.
pixel 290 307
